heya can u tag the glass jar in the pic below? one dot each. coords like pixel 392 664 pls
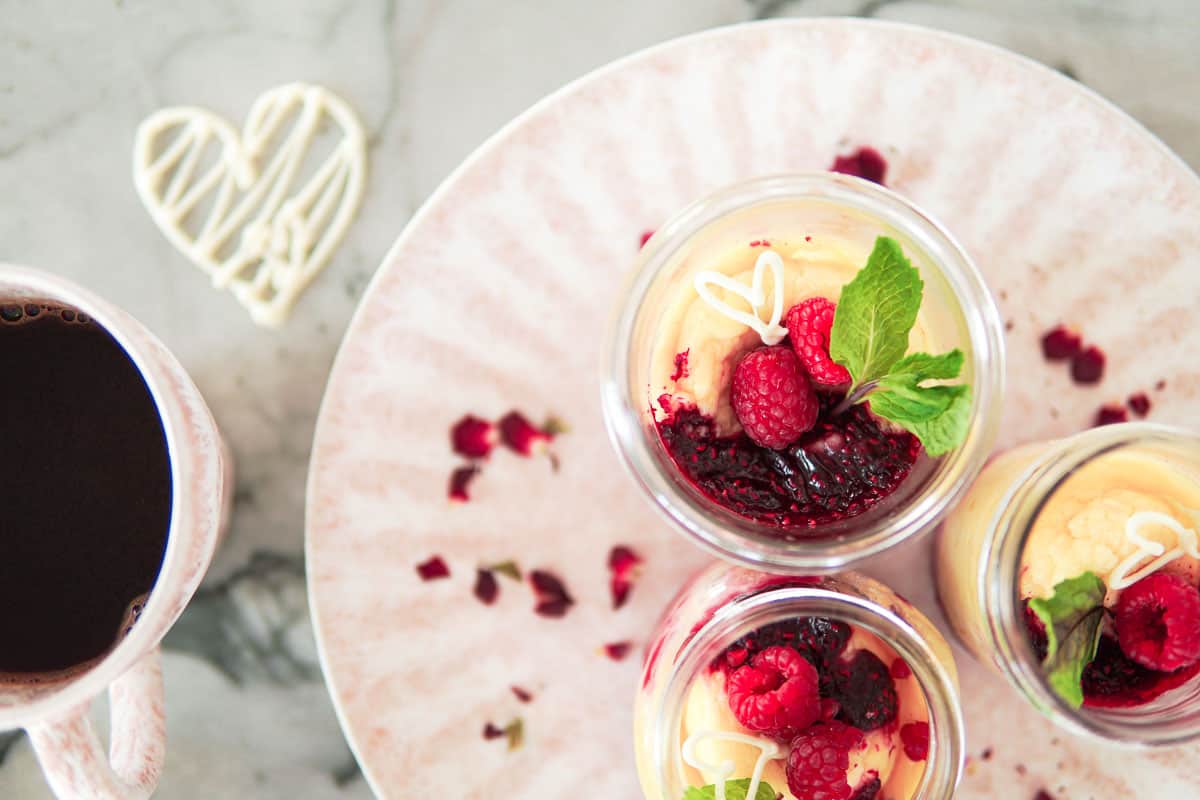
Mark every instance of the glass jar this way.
pixel 723 603
pixel 982 556
pixel 958 311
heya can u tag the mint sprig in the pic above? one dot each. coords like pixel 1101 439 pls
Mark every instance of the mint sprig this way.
pixel 1072 616
pixel 734 790
pixel 875 313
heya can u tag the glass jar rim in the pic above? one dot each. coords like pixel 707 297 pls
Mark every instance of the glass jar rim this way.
pixel 631 438
pixel 999 590
pixel 947 741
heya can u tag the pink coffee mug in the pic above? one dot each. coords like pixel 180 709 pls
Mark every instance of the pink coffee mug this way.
pixel 54 708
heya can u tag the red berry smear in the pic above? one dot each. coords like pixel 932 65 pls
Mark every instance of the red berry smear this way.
pixel 1061 343
pixel 1088 366
pixel 1158 622
pixel 915 738
pixel 473 437
pixel 775 694
pixel 772 397
pixel 681 366
pixel 865 162
pixel 839 469
pixel 809 324
pixel 817 764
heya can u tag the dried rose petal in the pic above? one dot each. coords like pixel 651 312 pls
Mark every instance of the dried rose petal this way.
pixel 624 564
pixel 617 650
pixel 553 600
pixel 521 436
pixel 460 479
pixel 1110 414
pixel 433 569
pixel 524 695
pixel 1139 403
pixel 473 437
pixel 486 587
pixel 865 162
pixel 513 731
pixel 1061 343
pixel 1088 366
pixel 644 238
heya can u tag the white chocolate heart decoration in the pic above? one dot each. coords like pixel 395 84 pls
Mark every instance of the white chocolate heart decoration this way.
pixel 1185 545
pixel 723 770
pixel 247 219
pixel 770 332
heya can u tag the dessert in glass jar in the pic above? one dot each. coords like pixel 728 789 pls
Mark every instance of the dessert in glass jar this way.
pixel 1072 568
pixel 759 685
pixel 804 371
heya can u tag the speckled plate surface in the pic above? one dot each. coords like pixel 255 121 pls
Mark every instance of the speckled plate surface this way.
pixel 495 297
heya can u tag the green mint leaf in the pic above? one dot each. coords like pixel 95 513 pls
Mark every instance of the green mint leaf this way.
pixel 937 415
pixel 1072 616
pixel 875 312
pixel 925 367
pixel 734 790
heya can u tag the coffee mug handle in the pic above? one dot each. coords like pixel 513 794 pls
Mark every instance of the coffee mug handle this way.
pixel 73 759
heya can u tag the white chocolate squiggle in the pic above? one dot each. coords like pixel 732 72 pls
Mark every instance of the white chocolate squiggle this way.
pixel 770 332
pixel 723 770
pixel 1185 544
pixel 247 220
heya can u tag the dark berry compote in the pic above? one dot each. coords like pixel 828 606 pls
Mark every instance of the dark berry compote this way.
pixel 845 464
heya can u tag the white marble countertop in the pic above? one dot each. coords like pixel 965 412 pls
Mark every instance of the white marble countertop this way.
pixel 431 80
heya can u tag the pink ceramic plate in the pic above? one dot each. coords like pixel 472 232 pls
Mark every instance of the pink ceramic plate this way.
pixel 496 296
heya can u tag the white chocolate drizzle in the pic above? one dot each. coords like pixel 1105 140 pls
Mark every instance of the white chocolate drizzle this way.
pixel 755 294
pixel 1185 544
pixel 723 770
pixel 244 220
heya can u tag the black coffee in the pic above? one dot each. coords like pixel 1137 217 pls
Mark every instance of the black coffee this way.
pixel 85 489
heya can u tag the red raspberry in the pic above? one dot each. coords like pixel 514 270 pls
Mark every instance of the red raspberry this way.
pixel 776 693
pixel 772 397
pixel 809 324
pixel 1158 622
pixel 819 758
